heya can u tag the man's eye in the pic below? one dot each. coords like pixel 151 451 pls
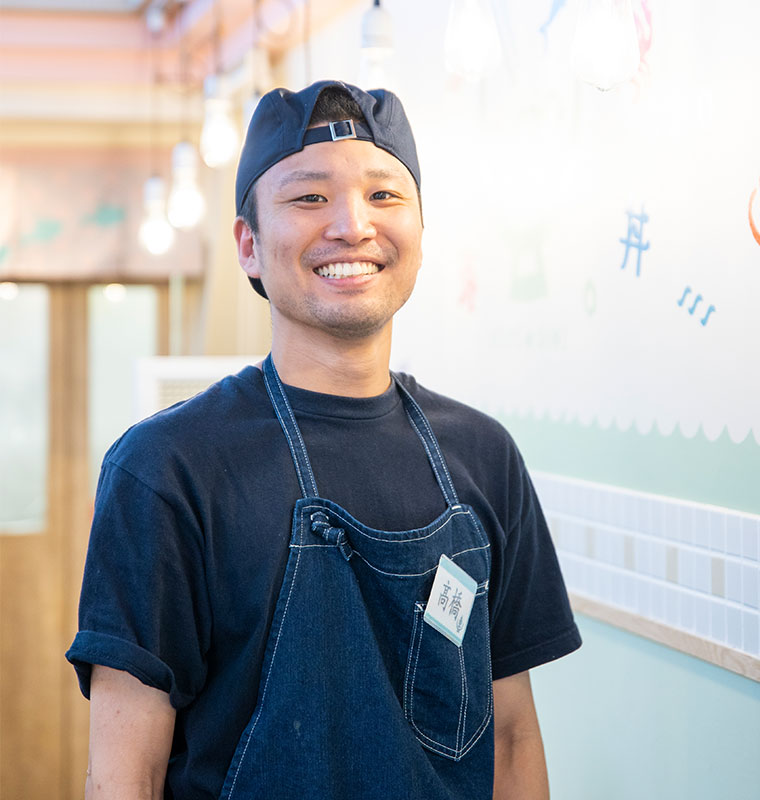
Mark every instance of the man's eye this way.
pixel 382 195
pixel 311 198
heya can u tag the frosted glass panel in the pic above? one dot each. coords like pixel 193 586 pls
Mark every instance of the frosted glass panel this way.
pixel 123 328
pixel 23 408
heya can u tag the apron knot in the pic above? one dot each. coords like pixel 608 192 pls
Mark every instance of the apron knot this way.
pixel 320 525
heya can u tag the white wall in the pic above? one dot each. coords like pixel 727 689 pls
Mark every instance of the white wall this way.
pixel 527 178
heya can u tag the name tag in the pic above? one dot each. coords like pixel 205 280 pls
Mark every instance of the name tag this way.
pixel 450 602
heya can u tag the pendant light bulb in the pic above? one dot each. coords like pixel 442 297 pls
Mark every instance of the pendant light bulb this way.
pixel 219 136
pixel 605 51
pixel 156 234
pixel 376 46
pixel 115 292
pixel 8 290
pixel 186 204
pixel 472 43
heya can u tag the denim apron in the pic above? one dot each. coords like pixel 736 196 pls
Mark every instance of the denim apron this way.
pixel 359 697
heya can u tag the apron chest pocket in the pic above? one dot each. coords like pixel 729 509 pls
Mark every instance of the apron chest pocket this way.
pixel 448 694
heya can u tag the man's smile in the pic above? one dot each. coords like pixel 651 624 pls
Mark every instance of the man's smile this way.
pixel 348 269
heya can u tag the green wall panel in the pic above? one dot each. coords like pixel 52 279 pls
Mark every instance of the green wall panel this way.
pixel 720 473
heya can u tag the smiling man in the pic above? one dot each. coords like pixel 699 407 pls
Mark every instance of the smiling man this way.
pixel 319 579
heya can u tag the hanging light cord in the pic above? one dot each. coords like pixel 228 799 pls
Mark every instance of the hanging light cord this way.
pixel 307 39
pixel 184 81
pixel 254 44
pixel 218 38
pixel 152 106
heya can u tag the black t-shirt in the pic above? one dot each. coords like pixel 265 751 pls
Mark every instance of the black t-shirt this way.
pixel 190 540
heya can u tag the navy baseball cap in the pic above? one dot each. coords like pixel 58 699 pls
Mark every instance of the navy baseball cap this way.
pixel 279 128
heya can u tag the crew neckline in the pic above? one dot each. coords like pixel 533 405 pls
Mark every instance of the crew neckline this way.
pixel 306 401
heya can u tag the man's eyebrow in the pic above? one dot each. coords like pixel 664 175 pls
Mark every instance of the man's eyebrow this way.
pixel 317 175
pixel 383 174
pixel 303 175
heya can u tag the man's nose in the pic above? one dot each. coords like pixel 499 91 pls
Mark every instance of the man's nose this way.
pixel 351 220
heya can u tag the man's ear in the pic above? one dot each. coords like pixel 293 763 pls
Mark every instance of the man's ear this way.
pixel 246 249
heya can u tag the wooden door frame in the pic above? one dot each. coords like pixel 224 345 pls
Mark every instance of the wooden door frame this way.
pixel 44 723
pixel 44 720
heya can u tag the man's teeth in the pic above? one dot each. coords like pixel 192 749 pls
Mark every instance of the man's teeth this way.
pixel 347 269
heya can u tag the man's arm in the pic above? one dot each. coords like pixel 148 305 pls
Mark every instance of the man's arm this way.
pixel 131 729
pixel 519 763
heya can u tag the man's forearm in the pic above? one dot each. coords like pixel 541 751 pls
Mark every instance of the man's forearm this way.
pixel 519 763
pixel 520 769
pixel 96 789
pixel 131 729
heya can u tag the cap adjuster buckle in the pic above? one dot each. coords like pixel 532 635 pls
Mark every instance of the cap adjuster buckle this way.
pixel 343 125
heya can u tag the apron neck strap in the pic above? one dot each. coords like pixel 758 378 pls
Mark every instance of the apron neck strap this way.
pixel 422 428
pixel 289 427
pixel 297 446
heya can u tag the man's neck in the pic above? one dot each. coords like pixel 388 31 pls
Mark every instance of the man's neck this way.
pixel 322 363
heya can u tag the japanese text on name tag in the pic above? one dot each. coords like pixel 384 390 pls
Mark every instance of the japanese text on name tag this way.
pixel 450 602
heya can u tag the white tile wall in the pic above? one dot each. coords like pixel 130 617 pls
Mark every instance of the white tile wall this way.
pixel 734 580
pixel 733 536
pixel 751 629
pixel 691 566
pixel 751 539
pixel 717 622
pixel 749 585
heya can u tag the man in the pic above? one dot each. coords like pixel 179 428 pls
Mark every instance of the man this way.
pixel 317 579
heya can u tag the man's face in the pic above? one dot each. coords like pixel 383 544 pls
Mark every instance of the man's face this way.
pixel 339 242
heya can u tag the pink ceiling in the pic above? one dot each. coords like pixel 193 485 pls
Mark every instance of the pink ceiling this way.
pixel 98 50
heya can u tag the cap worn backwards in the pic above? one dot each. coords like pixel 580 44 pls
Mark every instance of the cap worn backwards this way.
pixel 280 127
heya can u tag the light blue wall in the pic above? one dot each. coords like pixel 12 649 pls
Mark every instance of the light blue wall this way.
pixel 624 718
